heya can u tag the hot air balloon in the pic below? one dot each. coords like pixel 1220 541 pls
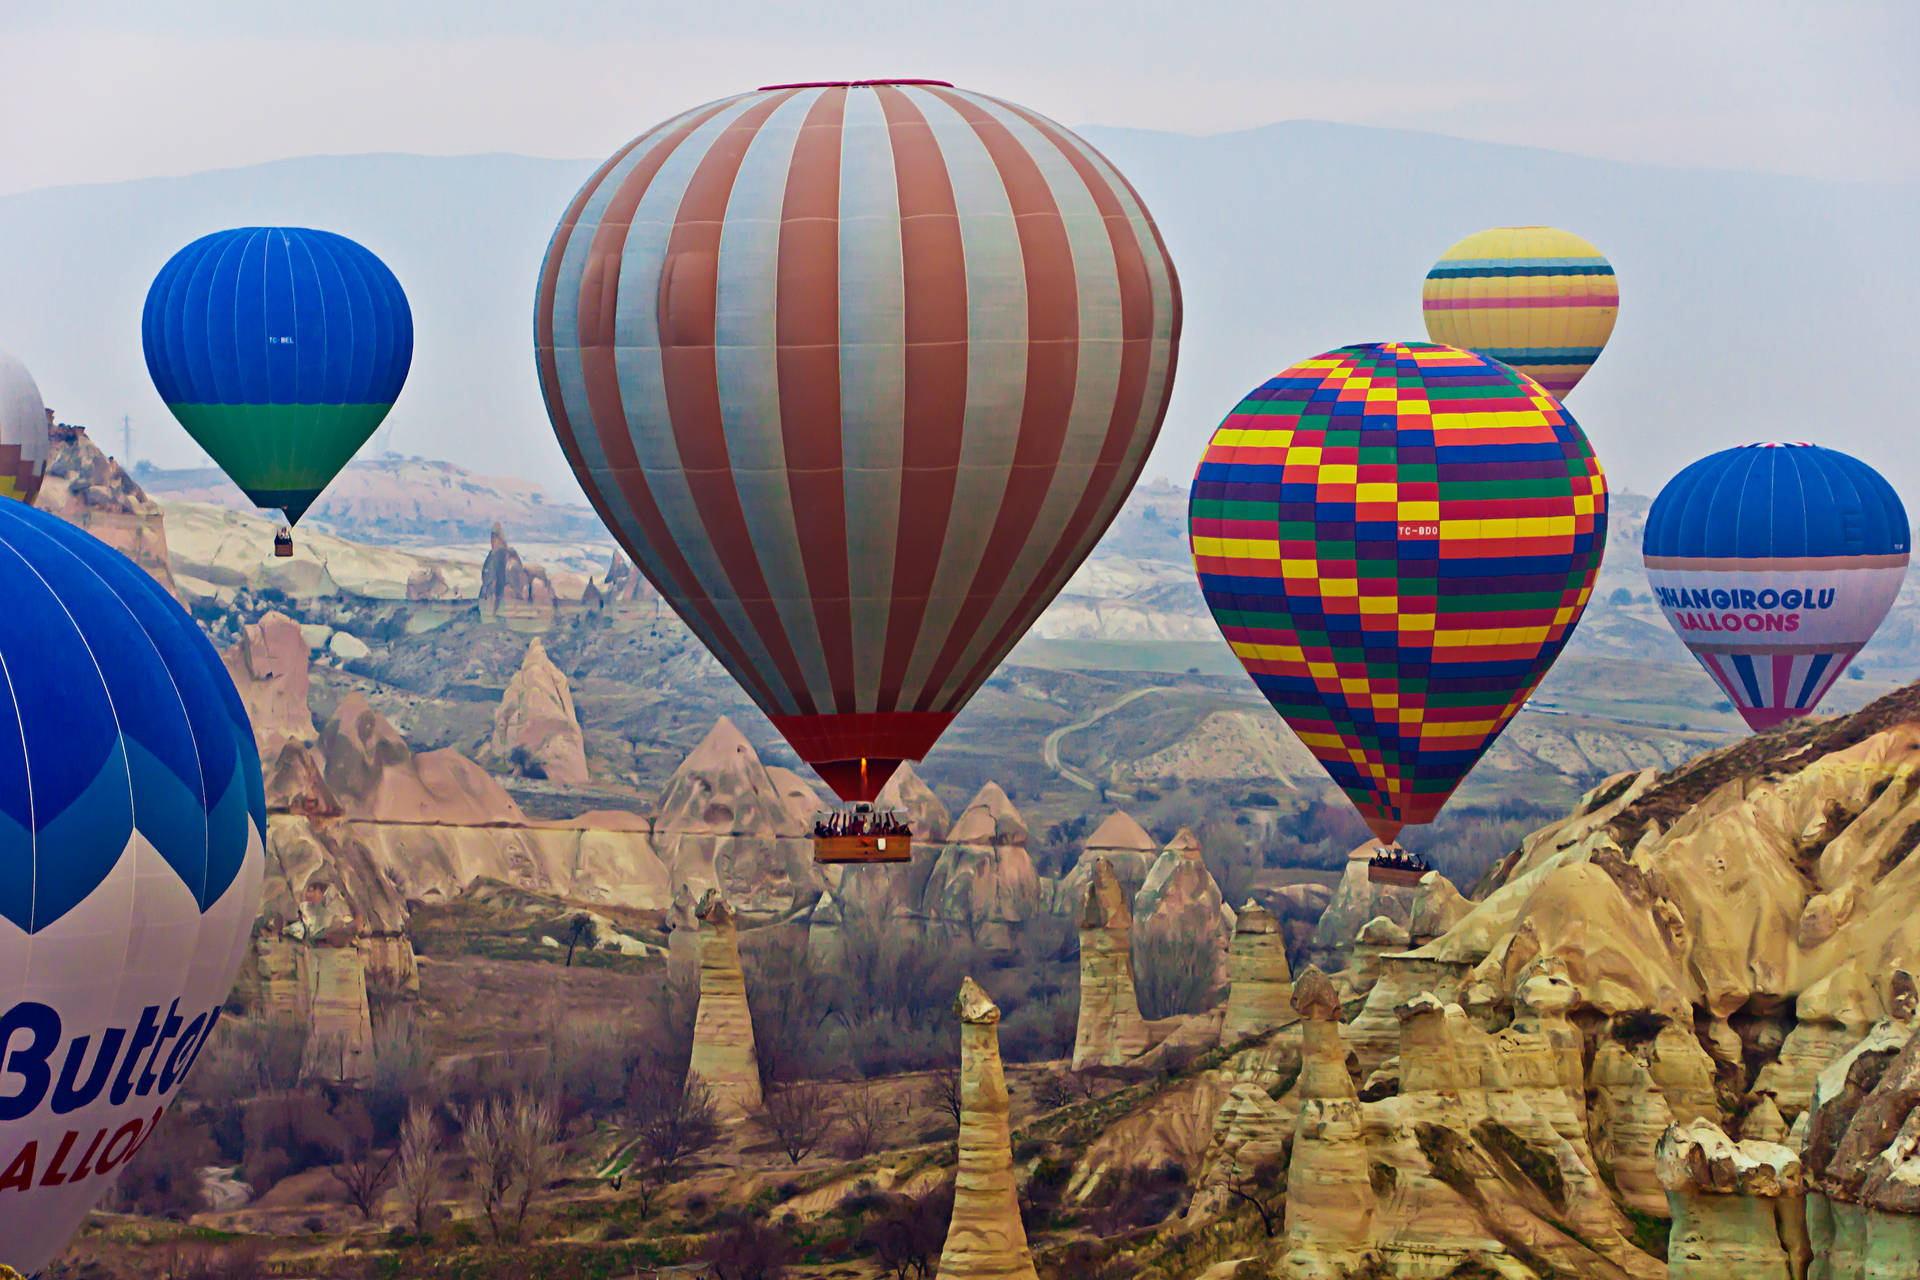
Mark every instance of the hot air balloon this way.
pixel 279 349
pixel 1397 539
pixel 131 828
pixel 857 373
pixel 23 432
pixel 1538 298
pixel 1775 564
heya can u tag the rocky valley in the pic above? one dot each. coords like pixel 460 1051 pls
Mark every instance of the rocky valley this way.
pixel 547 980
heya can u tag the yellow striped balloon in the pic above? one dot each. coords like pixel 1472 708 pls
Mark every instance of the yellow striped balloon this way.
pixel 1537 298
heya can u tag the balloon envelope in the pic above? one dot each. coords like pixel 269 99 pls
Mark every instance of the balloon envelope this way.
pixel 131 827
pixel 279 349
pixel 1397 539
pixel 857 374
pixel 23 432
pixel 1538 298
pixel 1775 563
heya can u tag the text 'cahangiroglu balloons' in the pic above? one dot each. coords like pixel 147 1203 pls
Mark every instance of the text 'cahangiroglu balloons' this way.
pixel 279 349
pixel 1538 298
pixel 857 374
pixel 1397 540
pixel 1775 563
pixel 131 828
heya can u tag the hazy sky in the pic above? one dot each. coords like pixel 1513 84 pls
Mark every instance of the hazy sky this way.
pixel 104 90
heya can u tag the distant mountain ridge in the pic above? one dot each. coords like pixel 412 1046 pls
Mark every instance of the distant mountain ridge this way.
pixel 1752 306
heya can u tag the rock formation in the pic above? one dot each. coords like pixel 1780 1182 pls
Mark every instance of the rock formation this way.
pixel 723 1050
pixel 1110 1029
pixel 1125 844
pixel 428 583
pixel 725 822
pixel 84 487
pixel 909 795
pixel 1736 1206
pixel 1355 901
pixel 985 1238
pixel 982 883
pixel 1330 1199
pixel 269 668
pixel 507 581
pixel 1180 897
pixel 1863 1156
pixel 535 731
pixel 1260 990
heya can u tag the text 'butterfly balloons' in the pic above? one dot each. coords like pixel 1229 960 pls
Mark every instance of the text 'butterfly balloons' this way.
pixel 858 374
pixel 1775 564
pixel 132 822
pixel 1397 539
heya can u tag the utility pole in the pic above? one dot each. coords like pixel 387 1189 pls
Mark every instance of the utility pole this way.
pixel 126 442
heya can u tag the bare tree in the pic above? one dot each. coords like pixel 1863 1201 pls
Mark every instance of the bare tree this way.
pixel 670 1123
pixel 536 1153
pixel 363 1170
pixel 863 1109
pixel 487 1138
pixel 1264 1189
pixel 907 1235
pixel 943 1093
pixel 798 1117
pixel 419 1162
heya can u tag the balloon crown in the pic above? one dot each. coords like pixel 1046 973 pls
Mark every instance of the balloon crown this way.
pixel 851 84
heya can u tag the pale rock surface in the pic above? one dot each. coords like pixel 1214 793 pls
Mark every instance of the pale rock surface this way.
pixel 983 884
pixel 1180 897
pixel 1628 1116
pixel 1249 1130
pixel 1124 843
pixel 1260 985
pixel 1374 1034
pixel 84 487
pixel 1727 1200
pixel 908 793
pixel 1110 1029
pixel 1437 907
pixel 985 1238
pixel 1355 901
pixel 512 585
pixel 536 731
pixel 725 823
pixel 347 647
pixel 269 669
pixel 1330 1199
pixel 723 1049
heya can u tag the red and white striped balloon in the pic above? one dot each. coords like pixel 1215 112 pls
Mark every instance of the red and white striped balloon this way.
pixel 858 373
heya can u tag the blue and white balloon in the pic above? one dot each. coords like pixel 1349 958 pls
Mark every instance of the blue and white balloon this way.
pixel 132 828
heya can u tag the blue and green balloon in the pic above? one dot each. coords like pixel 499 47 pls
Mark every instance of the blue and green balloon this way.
pixel 280 350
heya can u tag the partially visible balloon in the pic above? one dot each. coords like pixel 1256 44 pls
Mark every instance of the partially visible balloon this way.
pixel 1775 564
pixel 23 432
pixel 857 374
pixel 280 350
pixel 1397 540
pixel 1538 298
pixel 131 827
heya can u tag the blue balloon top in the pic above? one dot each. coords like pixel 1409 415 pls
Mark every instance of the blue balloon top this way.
pixel 1775 501
pixel 116 715
pixel 222 317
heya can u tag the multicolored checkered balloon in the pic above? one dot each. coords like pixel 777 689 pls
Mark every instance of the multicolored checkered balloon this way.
pixel 1397 539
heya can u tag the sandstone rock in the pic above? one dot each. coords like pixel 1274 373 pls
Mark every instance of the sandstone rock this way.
pixel 296 783
pixel 378 777
pixel 84 487
pixel 723 1049
pixel 428 583
pixel 1356 901
pixel 907 793
pixel 1437 907
pixel 983 882
pixel 1180 897
pixel 269 669
pixel 1249 1130
pixel 1110 1028
pixel 536 732
pixel 985 1238
pixel 1330 1197
pixel 1628 1115
pixel 507 581
pixel 348 648
pixel 725 823
pixel 1731 1203
pixel 1260 990
pixel 1124 843
pixel 1764 1123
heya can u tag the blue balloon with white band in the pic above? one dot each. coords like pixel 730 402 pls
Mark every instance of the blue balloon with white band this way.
pixel 1775 564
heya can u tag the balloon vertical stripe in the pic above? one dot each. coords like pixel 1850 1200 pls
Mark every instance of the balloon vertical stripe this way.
pixel 869 366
